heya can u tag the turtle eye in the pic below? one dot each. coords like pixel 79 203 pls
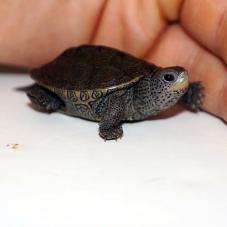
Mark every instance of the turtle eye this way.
pixel 169 77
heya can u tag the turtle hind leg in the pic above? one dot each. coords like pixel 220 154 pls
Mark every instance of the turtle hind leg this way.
pixel 193 98
pixel 110 126
pixel 44 99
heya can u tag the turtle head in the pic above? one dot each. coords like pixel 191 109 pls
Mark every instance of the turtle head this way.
pixel 168 85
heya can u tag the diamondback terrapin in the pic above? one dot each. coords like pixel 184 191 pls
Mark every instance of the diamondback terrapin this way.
pixel 110 86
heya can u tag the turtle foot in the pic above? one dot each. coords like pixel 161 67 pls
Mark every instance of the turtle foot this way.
pixel 113 133
pixel 193 98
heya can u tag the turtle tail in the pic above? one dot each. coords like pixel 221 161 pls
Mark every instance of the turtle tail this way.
pixel 34 74
pixel 25 88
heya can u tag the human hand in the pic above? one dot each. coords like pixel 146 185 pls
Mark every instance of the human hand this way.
pixel 190 33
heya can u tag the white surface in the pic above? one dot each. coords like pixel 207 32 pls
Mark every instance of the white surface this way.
pixel 169 172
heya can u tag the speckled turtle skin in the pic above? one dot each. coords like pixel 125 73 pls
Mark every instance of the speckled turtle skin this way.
pixel 110 86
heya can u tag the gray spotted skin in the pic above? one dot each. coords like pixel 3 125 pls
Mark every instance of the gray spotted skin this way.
pixel 111 117
pixel 151 96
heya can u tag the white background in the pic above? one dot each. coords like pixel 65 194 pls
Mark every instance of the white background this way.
pixel 165 172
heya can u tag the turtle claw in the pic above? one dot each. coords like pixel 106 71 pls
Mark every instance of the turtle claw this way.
pixel 113 133
pixel 194 97
pixel 119 138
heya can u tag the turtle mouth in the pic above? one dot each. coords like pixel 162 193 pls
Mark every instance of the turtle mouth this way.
pixel 181 83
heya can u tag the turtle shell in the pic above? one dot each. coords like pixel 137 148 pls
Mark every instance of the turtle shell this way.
pixel 91 67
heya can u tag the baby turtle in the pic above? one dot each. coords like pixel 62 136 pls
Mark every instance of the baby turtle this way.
pixel 110 86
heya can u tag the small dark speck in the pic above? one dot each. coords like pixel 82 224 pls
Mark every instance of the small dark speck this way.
pixel 13 145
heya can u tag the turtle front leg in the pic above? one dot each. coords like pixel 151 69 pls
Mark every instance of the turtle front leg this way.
pixel 193 98
pixel 110 126
pixel 44 99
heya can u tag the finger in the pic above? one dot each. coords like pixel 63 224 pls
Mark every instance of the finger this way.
pixel 130 25
pixel 206 21
pixel 170 9
pixel 33 32
pixel 177 48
